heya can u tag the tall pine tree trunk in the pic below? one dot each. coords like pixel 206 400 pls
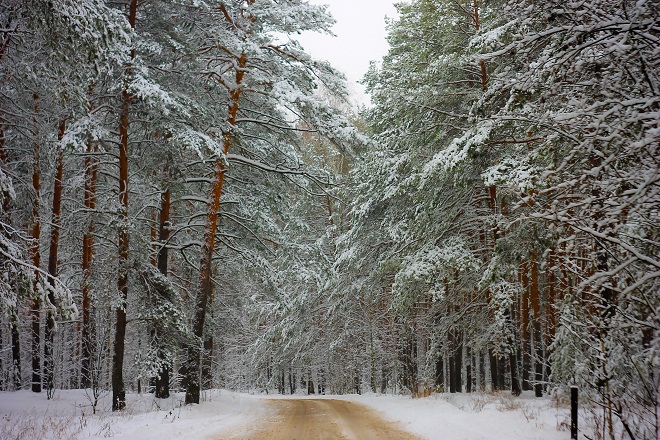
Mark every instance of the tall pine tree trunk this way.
pixel 482 63
pixel 91 177
pixel 523 275
pixel 163 378
pixel 36 255
pixel 206 266
pixel 118 390
pixel 536 327
pixel 513 362
pixel 49 363
pixel 15 373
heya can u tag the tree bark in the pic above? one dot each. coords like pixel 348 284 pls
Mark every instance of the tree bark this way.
pixel 536 327
pixel 91 177
pixel 118 390
pixel 13 320
pixel 49 331
pixel 163 379
pixel 513 363
pixel 482 63
pixel 36 255
pixel 525 344
pixel 206 265
pixel 16 354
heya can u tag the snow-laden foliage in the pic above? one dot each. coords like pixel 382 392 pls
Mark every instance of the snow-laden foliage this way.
pixel 529 133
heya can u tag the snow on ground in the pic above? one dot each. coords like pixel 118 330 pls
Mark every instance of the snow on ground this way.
pixel 475 416
pixel 27 415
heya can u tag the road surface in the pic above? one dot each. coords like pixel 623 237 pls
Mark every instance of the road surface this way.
pixel 319 419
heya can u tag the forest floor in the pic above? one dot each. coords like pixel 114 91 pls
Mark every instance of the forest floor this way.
pixel 225 415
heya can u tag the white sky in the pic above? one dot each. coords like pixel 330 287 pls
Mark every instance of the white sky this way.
pixel 360 31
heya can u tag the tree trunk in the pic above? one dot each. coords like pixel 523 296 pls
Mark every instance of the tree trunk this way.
pixel 494 377
pixel 36 256
pixel 482 63
pixel 49 331
pixel 513 363
pixel 13 319
pixel 16 354
pixel 207 370
pixel 118 390
pixel 524 326
pixel 467 369
pixel 91 177
pixel 163 379
pixel 206 265
pixel 536 327
pixel 455 364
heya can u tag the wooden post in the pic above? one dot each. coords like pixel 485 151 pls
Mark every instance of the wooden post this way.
pixel 574 413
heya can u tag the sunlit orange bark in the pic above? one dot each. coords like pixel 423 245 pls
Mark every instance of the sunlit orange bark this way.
pixel 206 265
pixel 205 283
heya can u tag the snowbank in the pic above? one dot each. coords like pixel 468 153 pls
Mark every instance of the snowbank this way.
pixel 26 415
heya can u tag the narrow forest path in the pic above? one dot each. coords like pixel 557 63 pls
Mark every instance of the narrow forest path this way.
pixel 319 419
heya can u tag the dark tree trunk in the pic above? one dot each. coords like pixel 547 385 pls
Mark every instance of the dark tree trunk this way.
pixel 513 363
pixel 49 362
pixel 493 370
pixel 91 177
pixel 455 364
pixel 292 383
pixel 458 367
pixel 118 390
pixel 16 354
pixel 5 216
pixel 163 378
pixel 468 370
pixel 207 371
pixel 439 372
pixel 536 328
pixel 524 317
pixel 36 256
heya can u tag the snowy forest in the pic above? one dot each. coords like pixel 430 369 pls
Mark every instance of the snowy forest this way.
pixel 190 202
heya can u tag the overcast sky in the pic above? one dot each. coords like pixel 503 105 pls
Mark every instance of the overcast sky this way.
pixel 360 31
